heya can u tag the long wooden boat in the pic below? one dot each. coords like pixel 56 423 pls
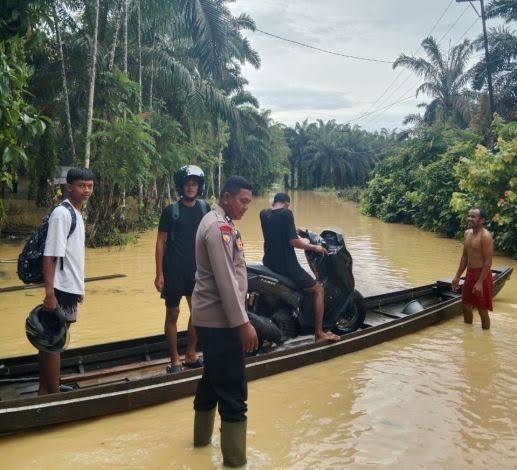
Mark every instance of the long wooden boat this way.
pixel 125 375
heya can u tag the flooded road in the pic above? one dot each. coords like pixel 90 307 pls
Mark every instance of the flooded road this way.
pixel 445 397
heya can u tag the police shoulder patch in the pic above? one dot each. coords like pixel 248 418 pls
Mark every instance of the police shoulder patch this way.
pixel 225 228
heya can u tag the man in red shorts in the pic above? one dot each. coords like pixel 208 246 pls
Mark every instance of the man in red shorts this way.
pixel 477 258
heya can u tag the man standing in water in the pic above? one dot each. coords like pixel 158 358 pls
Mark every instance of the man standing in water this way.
pixel 223 327
pixel 63 266
pixel 175 259
pixel 477 258
pixel 280 240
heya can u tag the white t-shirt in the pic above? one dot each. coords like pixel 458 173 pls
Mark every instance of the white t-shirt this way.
pixel 71 278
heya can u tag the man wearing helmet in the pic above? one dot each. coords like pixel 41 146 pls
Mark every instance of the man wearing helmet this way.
pixel 175 258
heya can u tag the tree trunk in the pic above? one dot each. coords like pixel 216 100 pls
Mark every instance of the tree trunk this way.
pixel 151 81
pixel 126 4
pixel 139 32
pixel 219 171
pixel 212 171
pixel 65 86
pixel 169 196
pixel 140 196
pixel 118 19
pixel 91 94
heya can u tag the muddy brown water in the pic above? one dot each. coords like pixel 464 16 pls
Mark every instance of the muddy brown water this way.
pixel 445 397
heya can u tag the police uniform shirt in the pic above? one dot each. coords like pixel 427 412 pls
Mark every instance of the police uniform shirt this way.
pixel 221 278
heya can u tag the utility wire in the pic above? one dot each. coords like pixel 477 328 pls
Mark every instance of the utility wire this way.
pixel 382 109
pixel 379 111
pixel 380 98
pixel 454 24
pixel 468 29
pixel 326 51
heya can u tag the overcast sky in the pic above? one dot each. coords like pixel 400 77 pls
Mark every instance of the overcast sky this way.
pixel 298 83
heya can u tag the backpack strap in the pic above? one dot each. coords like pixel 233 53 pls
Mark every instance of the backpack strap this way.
pixel 176 214
pixel 74 217
pixel 204 206
pixel 175 208
pixel 72 226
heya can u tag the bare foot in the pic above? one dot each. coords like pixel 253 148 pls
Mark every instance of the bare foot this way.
pixel 326 337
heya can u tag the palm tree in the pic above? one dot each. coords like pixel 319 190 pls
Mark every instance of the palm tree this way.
pixel 445 80
pixel 505 8
pixel 502 44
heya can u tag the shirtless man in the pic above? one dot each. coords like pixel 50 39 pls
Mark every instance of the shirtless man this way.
pixel 477 258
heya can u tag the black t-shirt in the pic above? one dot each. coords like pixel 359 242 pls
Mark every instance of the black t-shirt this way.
pixel 180 253
pixel 278 228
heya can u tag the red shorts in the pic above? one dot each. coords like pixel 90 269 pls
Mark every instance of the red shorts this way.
pixel 484 300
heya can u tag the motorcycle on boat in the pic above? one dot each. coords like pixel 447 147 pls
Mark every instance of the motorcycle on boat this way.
pixel 279 310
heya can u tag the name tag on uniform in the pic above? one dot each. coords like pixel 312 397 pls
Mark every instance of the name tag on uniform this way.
pixel 238 241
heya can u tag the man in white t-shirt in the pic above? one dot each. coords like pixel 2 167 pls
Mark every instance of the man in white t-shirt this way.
pixel 63 266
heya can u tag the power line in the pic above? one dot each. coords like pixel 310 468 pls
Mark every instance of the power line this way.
pixel 326 51
pixel 414 53
pixel 454 24
pixel 468 29
pixel 381 109
pixel 379 112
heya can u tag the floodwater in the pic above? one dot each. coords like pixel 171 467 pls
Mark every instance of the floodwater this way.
pixel 445 397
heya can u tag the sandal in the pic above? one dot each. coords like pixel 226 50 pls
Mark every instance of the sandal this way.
pixel 198 363
pixel 173 368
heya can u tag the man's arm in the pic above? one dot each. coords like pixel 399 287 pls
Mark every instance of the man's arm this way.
pixel 304 244
pixel 294 238
pixel 59 225
pixel 161 238
pixel 49 269
pixel 487 251
pixel 463 264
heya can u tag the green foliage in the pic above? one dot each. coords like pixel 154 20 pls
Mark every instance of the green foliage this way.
pixel 334 155
pixel 488 179
pixel 123 150
pixel 440 174
pixel 445 79
pixel 19 121
pixel 401 185
pixel 262 155
pixel 354 194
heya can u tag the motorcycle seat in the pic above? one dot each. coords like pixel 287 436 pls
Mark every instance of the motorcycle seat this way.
pixel 261 270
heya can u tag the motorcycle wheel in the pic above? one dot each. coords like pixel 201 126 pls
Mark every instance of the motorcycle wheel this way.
pixel 354 315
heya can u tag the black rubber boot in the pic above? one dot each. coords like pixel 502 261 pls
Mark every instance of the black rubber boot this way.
pixel 203 427
pixel 233 443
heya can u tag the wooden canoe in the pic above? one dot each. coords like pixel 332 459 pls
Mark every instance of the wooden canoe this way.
pixel 125 375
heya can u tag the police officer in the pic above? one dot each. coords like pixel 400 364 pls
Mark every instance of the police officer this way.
pixel 222 324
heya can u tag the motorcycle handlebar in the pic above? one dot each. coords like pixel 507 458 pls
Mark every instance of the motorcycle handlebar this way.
pixel 313 237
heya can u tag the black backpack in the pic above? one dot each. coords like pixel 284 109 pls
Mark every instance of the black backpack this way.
pixel 176 215
pixel 30 261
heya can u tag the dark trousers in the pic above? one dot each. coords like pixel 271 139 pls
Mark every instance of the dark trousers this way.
pixel 224 377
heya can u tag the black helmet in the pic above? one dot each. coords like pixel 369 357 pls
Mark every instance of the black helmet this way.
pixel 46 330
pixel 189 171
